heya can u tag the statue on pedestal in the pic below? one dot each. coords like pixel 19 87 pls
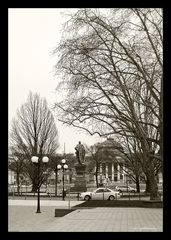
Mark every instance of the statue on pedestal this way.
pixel 80 152
pixel 80 178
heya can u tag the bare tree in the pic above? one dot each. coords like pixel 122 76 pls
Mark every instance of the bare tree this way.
pixel 133 161
pixel 35 133
pixel 112 67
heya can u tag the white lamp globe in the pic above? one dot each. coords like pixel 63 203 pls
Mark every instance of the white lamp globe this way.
pixel 63 161
pixel 65 166
pixel 45 159
pixel 58 166
pixel 34 159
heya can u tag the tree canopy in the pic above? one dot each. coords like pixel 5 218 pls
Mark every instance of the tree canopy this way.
pixel 33 133
pixel 111 62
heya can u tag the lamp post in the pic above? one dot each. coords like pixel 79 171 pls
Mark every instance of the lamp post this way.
pixel 56 179
pixel 64 167
pixel 36 160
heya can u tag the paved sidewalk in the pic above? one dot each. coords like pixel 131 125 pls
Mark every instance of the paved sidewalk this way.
pixel 23 218
pixel 111 220
pixel 55 203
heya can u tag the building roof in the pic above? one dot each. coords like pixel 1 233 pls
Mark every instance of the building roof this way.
pixel 109 150
pixel 109 143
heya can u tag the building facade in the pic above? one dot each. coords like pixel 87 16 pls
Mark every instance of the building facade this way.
pixel 111 164
pixel 112 169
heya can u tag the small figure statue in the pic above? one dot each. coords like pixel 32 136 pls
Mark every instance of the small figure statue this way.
pixel 80 152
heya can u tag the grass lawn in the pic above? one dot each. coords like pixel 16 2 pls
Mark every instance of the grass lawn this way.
pixel 120 203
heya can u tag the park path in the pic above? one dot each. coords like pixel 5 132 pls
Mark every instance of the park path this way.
pixel 33 202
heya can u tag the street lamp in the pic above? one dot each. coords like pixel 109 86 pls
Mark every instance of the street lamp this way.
pixel 36 160
pixel 64 167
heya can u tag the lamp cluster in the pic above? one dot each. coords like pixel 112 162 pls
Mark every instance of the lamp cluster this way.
pixel 35 159
pixel 64 165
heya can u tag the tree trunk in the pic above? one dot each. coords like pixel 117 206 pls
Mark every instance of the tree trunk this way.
pixel 97 183
pixel 147 190
pixel 137 184
pixel 18 184
pixel 153 188
pixel 151 185
pixel 34 187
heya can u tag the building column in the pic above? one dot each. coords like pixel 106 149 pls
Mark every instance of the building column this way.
pixel 118 172
pixel 94 176
pixel 100 173
pixel 106 171
pixel 123 174
pixel 112 172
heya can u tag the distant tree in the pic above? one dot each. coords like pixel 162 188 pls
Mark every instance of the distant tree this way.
pixel 132 161
pixel 35 133
pixel 56 159
pixel 16 164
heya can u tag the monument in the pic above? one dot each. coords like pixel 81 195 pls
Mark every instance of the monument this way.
pixel 80 181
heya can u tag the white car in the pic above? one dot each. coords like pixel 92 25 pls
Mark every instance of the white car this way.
pixel 100 194
pixel 125 189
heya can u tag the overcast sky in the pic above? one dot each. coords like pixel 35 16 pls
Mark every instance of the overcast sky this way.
pixel 33 34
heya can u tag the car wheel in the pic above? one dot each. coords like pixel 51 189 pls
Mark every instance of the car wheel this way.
pixel 111 197
pixel 87 198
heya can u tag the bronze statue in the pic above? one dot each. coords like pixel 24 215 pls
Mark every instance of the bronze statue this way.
pixel 80 152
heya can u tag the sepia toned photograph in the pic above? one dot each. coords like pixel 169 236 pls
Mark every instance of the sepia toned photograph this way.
pixel 85 125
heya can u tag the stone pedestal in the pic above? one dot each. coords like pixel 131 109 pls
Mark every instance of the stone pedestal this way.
pixel 80 182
